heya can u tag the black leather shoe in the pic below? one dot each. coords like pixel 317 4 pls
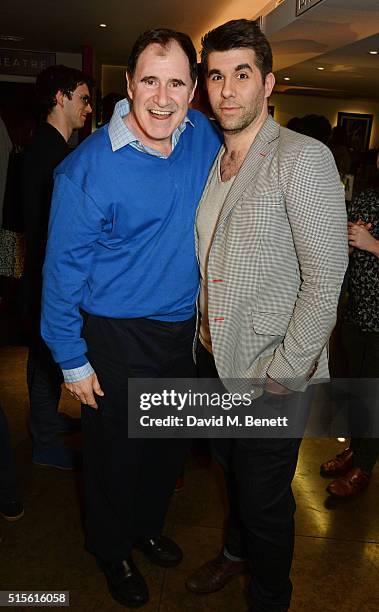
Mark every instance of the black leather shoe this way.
pixel 161 551
pixel 125 583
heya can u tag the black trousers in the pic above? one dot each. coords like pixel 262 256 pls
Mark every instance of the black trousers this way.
pixel 361 351
pixel 9 490
pixel 258 474
pixel 44 378
pixel 128 482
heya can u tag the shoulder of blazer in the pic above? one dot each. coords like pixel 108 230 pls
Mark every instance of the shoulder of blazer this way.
pixel 290 140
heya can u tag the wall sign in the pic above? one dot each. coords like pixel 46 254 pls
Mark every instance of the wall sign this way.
pixel 304 5
pixel 25 63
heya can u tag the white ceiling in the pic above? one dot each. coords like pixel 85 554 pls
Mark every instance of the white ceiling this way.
pixel 349 71
pixel 68 24
pixel 335 34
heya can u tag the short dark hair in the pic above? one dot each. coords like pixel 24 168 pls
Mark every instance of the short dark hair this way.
pixel 58 78
pixel 237 34
pixel 163 37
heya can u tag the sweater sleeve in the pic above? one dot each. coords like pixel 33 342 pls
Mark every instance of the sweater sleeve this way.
pixel 75 225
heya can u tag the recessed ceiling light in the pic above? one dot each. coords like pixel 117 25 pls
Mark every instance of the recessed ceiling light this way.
pixel 320 68
pixel 287 78
pixel 373 52
pixel 103 25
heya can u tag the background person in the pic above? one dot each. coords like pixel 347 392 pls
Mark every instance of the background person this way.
pixel 359 339
pixel 64 98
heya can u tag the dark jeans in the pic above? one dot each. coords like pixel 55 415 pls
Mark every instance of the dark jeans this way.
pixel 9 490
pixel 258 474
pixel 44 378
pixel 361 351
pixel 128 482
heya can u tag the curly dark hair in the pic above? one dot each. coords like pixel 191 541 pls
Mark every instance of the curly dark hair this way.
pixel 58 78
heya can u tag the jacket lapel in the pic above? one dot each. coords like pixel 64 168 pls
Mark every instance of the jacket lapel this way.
pixel 259 149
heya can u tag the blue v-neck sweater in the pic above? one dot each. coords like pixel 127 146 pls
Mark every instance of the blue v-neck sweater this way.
pixel 121 235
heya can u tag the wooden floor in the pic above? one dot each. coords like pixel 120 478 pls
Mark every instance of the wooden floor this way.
pixel 336 566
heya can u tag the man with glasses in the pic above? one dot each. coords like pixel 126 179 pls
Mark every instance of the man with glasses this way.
pixel 63 95
pixel 120 285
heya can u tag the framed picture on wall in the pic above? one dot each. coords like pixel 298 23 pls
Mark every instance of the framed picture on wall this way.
pixel 358 129
pixel 271 110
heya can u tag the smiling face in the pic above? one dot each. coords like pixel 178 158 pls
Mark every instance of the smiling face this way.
pixel 160 90
pixel 236 91
pixel 76 109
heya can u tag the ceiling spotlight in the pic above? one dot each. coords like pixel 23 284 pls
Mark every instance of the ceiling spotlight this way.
pixel 373 52
pixel 102 25
pixel 287 78
pixel 320 68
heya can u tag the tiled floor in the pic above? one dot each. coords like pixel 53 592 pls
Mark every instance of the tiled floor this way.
pixel 336 566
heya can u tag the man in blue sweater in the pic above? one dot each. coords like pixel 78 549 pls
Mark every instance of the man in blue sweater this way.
pixel 120 284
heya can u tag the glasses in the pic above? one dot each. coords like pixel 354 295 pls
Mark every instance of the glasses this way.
pixel 84 98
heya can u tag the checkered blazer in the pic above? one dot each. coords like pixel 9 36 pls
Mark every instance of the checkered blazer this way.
pixel 277 262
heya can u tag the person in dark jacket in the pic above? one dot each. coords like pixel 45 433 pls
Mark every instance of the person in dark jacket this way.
pixel 65 102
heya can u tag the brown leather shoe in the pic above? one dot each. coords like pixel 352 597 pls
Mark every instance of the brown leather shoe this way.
pixel 339 465
pixel 350 484
pixel 215 574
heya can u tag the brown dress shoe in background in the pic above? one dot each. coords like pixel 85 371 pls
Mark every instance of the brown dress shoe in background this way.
pixel 215 574
pixel 339 465
pixel 350 484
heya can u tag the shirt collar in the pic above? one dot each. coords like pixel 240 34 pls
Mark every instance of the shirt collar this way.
pixel 120 135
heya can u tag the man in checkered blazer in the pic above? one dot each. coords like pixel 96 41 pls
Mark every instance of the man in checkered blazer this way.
pixel 272 247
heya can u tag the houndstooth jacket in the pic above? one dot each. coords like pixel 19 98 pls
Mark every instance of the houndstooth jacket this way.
pixel 277 262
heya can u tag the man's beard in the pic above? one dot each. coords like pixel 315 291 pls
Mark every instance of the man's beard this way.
pixel 241 123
